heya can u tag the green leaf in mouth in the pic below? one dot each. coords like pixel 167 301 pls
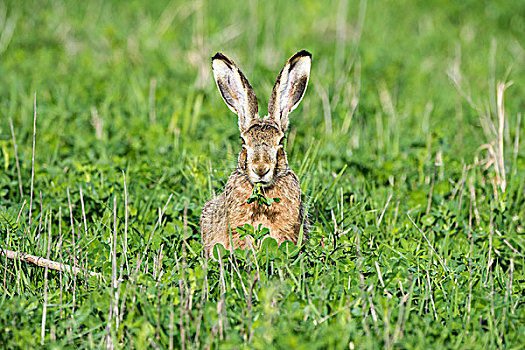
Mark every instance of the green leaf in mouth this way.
pixel 259 196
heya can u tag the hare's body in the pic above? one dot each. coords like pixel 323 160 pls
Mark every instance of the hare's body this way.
pixel 230 209
pixel 262 159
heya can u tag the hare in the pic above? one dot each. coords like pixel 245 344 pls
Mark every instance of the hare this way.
pixel 262 158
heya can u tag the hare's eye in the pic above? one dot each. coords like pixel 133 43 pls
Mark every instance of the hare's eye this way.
pixel 281 142
pixel 242 140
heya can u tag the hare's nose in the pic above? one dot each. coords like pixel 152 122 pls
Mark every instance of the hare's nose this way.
pixel 261 169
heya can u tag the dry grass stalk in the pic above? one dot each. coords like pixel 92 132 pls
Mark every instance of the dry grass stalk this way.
pixel 97 123
pixel 382 212
pixel 125 245
pixel 501 87
pixel 83 211
pixel 114 282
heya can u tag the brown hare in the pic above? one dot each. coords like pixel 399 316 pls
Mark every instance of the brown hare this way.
pixel 261 160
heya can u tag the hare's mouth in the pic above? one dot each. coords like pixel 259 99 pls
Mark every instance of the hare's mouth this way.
pixel 260 180
pixel 263 181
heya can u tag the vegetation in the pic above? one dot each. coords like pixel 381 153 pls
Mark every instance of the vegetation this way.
pixel 408 145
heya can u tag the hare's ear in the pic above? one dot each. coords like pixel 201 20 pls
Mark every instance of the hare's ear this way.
pixel 235 89
pixel 289 88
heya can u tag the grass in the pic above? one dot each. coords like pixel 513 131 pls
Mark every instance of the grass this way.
pixel 408 145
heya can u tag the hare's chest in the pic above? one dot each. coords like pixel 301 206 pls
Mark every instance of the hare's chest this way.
pixel 282 218
pixel 278 218
pixel 255 214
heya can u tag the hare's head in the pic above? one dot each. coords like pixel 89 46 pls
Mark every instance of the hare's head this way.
pixel 263 158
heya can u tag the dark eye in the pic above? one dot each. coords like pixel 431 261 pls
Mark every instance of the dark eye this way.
pixel 281 142
pixel 242 140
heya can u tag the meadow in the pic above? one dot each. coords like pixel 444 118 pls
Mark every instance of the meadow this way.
pixel 409 145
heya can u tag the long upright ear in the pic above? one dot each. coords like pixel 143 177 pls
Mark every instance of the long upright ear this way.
pixel 289 88
pixel 235 89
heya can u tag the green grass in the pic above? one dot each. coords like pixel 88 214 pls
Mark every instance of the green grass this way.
pixel 383 137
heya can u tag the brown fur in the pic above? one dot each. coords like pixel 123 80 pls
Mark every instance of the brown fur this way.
pixel 262 159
